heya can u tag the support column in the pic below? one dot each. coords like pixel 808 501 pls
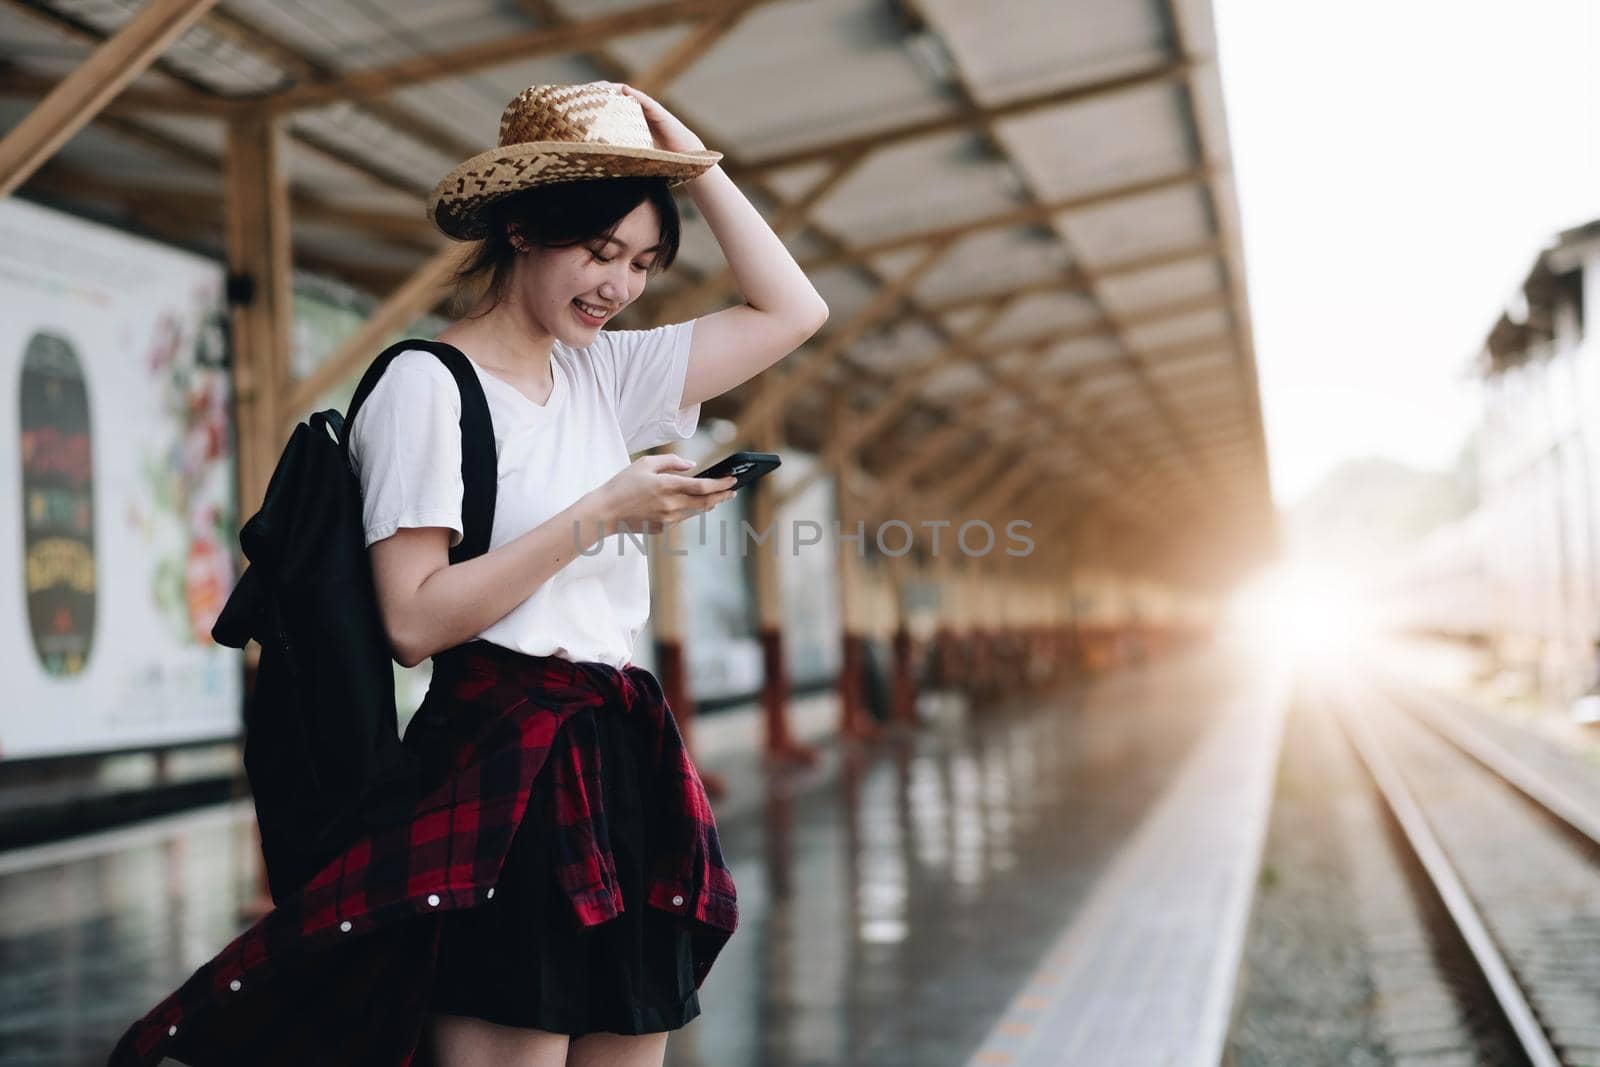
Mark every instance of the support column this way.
pixel 904 682
pixel 261 297
pixel 855 723
pixel 259 294
pixel 778 744
pixel 669 624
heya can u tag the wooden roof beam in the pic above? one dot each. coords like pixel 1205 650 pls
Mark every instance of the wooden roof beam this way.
pixel 841 448
pixel 883 303
pixel 426 286
pixel 695 44
pixel 790 217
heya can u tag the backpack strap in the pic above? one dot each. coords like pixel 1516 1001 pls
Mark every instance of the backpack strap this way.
pixel 479 473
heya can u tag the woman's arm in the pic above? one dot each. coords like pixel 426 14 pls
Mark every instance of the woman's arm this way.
pixel 428 605
pixel 781 307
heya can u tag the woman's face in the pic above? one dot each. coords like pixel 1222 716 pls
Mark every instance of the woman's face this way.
pixel 572 292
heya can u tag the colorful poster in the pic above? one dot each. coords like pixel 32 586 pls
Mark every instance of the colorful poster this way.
pixel 117 471
pixel 57 460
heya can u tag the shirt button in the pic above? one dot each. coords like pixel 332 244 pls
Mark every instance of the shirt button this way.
pixel 234 985
pixel 345 926
pixel 489 895
pixel 172 1031
pixel 433 900
pixel 677 902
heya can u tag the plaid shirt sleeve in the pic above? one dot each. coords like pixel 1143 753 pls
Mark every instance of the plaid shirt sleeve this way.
pixel 341 971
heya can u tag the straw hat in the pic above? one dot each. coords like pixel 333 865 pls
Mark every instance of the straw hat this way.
pixel 558 133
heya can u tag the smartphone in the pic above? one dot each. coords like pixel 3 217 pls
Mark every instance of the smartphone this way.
pixel 746 466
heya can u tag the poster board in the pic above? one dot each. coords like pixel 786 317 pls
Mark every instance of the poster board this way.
pixel 116 468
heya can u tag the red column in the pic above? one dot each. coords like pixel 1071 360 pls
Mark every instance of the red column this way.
pixel 780 746
pixel 905 683
pixel 854 721
pixel 672 670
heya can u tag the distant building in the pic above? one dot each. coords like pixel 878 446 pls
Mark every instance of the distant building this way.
pixel 1539 464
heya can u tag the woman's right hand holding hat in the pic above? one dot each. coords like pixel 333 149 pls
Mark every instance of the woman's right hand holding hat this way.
pixel 670 134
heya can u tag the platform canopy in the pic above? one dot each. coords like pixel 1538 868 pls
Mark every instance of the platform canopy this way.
pixel 1020 212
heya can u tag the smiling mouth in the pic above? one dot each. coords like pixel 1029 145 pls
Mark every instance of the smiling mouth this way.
pixel 592 311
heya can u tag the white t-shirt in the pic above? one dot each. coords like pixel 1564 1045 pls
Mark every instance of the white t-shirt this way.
pixel 617 396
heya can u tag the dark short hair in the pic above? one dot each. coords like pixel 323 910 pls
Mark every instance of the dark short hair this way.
pixel 561 215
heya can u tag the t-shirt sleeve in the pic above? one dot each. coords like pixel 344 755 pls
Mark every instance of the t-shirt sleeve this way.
pixel 645 370
pixel 405 449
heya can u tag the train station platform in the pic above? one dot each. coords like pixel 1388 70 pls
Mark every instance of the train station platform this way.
pixel 1056 878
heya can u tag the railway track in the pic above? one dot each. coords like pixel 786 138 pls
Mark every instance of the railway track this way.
pixel 1509 862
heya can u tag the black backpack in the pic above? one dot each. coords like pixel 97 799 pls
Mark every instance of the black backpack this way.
pixel 322 746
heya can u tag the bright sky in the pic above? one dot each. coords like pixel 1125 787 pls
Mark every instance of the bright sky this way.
pixel 1399 165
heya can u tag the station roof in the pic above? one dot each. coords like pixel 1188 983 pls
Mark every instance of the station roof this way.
pixel 1527 326
pixel 1020 212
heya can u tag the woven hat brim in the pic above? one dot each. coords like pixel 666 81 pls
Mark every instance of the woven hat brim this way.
pixel 457 201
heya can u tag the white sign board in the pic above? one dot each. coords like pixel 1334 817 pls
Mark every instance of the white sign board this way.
pixel 116 471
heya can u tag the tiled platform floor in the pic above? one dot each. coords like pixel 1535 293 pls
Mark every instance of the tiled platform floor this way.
pixel 895 900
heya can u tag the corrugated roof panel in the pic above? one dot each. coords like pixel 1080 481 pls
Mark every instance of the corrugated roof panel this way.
pixel 1038 314
pixel 338 243
pixel 890 194
pixel 369 196
pixel 1138 225
pixel 1081 353
pixel 222 63
pixel 642 51
pixel 958 379
pixel 104 154
pixel 1125 293
pixel 794 182
pixel 364 33
pixel 27 35
pixel 1178 329
pixel 799 74
pixel 1012 48
pixel 597 8
pixel 1204 364
pixel 321 173
pixel 204 135
pixel 904 344
pixel 471 104
pixel 990 260
pixel 365 137
pixel 1110 141
pixel 963 319
pixel 845 291
pixel 201 52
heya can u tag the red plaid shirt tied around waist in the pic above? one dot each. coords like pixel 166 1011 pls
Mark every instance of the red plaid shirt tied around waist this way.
pixel 340 972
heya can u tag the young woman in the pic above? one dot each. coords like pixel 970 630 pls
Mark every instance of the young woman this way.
pixel 518 982
pixel 559 894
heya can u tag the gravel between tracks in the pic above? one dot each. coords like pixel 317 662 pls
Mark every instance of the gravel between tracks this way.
pixel 1306 993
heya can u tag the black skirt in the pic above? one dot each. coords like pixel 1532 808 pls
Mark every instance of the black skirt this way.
pixel 522 958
